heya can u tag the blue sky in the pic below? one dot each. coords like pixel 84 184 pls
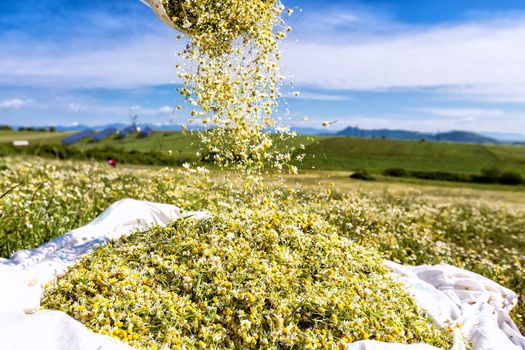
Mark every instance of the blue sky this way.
pixel 430 65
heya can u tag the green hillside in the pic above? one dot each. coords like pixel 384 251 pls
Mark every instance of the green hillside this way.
pixel 179 144
pixel 323 152
pixel 32 136
pixel 344 153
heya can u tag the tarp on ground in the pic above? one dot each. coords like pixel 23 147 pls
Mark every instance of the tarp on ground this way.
pixel 451 296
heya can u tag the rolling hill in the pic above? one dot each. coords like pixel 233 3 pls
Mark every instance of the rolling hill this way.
pixel 323 152
pixel 376 155
pixel 451 136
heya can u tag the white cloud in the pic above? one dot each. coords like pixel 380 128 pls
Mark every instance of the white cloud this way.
pixel 116 110
pixel 495 93
pixel 15 103
pixel 473 113
pixel 135 62
pixel 146 111
pixel 506 123
pixel 75 107
pixel 165 109
pixel 314 96
pixel 480 60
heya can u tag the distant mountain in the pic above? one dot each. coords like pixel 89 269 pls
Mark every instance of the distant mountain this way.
pixel 61 128
pixel 452 136
pixel 83 127
pixel 506 137
pixel 118 126
pixel 313 131
pixel 384 133
pixel 465 137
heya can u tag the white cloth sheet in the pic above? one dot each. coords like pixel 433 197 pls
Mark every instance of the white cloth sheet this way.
pixel 450 295
pixel 22 327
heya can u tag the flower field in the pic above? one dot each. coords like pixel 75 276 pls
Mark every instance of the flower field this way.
pixel 273 266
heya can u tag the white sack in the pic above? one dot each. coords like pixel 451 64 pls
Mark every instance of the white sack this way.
pixel 451 296
pixel 27 270
pixel 33 268
pixel 158 8
pixel 22 277
pixel 456 296
pixel 50 330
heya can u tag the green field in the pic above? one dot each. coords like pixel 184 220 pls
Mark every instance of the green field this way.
pixel 326 153
pixel 180 145
pixel 36 137
pixel 344 153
